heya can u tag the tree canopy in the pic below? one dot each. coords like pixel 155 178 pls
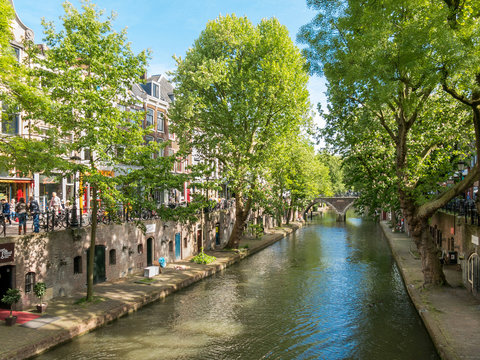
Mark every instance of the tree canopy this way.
pixel 239 90
pixel 389 114
pixel 87 71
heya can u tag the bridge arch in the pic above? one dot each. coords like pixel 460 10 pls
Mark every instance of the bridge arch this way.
pixel 340 204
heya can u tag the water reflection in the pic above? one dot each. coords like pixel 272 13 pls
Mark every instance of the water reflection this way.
pixel 330 291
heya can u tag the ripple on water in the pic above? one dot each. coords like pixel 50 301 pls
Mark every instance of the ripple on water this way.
pixel 327 292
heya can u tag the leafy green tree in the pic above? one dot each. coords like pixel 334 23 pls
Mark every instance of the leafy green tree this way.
pixel 296 176
pixel 87 70
pixel 335 170
pixel 7 59
pixel 239 89
pixel 384 90
pixel 457 57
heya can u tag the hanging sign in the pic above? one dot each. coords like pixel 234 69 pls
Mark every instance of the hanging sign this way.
pixel 7 252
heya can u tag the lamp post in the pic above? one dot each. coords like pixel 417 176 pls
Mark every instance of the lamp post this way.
pixel 74 221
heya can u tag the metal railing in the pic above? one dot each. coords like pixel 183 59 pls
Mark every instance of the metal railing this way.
pixel 465 209
pixel 52 220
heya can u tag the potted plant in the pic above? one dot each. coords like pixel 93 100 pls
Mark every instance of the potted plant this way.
pixel 40 289
pixel 10 298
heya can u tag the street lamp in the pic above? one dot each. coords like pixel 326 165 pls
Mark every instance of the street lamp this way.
pixel 74 221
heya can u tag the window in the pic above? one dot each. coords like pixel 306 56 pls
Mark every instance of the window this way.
pixel 185 242
pixel 112 256
pixel 170 246
pixel 77 265
pixel 149 119
pixel 161 151
pixel 86 154
pixel 160 121
pixel 155 90
pixel 17 52
pixel 133 117
pixel 29 282
pixel 10 121
pixel 140 248
pixel 159 196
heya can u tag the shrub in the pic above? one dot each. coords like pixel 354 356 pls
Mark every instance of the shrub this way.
pixel 40 290
pixel 203 258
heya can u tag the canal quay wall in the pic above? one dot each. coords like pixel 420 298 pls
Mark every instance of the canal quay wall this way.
pixel 66 318
pixel 59 258
pixel 450 314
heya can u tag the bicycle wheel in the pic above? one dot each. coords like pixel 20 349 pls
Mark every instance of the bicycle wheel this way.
pixel 42 221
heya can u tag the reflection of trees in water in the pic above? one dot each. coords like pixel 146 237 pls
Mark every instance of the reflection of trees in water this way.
pixel 324 292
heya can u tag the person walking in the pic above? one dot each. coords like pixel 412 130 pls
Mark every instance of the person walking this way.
pixel 34 209
pixel 6 211
pixel 12 209
pixel 21 210
pixel 55 203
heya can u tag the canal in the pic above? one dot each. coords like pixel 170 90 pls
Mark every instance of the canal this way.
pixel 329 291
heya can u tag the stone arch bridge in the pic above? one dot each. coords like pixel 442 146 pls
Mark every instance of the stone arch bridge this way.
pixel 339 203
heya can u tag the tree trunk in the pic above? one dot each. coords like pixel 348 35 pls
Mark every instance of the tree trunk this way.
pixel 290 211
pixel 394 219
pixel 93 235
pixel 241 216
pixel 431 266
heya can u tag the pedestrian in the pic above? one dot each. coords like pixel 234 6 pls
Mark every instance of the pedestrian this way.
pixel 21 210
pixel 34 210
pixel 6 211
pixel 55 203
pixel 12 209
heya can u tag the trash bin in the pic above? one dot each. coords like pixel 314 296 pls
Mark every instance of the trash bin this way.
pixel 452 257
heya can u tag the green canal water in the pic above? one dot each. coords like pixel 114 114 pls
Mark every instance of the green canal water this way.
pixel 329 291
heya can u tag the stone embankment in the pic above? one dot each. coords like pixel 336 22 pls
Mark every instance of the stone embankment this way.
pixel 450 314
pixel 67 319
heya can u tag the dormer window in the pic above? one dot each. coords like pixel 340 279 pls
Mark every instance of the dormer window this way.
pixel 155 90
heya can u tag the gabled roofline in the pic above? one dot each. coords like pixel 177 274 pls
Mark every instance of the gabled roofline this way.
pixel 25 27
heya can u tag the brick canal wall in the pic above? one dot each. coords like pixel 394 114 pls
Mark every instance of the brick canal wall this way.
pixel 59 258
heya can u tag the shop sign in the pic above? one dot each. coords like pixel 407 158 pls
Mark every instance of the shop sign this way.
pixel 475 240
pixel 150 228
pixel 7 252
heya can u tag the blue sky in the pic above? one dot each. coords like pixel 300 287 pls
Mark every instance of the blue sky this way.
pixel 169 27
